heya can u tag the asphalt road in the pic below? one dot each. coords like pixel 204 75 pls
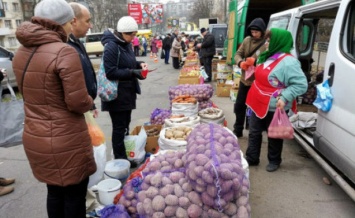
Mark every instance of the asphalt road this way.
pixel 295 190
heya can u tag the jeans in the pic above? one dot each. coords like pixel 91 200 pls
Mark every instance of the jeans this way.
pixel 207 63
pixel 136 50
pixel 120 128
pixel 167 55
pixel 240 108
pixel 145 49
pixel 67 202
pixel 176 63
pixel 256 127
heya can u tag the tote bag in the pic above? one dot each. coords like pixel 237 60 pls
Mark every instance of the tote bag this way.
pixel 106 89
pixel 11 118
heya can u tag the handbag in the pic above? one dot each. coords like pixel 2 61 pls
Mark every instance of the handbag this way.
pixel 280 126
pixel 106 89
pixel 162 54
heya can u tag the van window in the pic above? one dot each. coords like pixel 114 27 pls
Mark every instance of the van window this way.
pixel 94 38
pixel 280 22
pixel 348 45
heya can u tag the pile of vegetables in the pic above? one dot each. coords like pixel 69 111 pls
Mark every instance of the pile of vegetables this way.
pixel 205 181
pixel 202 93
pixel 159 115
pixel 213 165
pixel 212 115
pixel 178 133
pixel 184 99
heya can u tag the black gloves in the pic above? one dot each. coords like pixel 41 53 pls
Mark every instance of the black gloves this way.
pixel 137 74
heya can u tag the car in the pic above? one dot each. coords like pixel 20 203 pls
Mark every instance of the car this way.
pixel 93 44
pixel 6 63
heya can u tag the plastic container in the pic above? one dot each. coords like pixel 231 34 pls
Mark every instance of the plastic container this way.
pixel 108 189
pixel 117 169
pixel 144 73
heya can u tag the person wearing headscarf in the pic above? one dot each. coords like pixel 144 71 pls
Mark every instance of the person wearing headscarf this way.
pixel 279 79
pixel 55 137
pixel 120 64
pixel 251 46
pixel 175 52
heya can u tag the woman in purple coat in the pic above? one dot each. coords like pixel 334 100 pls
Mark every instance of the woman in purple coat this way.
pixel 154 46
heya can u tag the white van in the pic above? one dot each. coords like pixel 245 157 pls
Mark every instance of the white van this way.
pixel 324 42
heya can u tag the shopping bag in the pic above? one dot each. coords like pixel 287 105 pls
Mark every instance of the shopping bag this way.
pixel 324 98
pixel 280 126
pixel 96 134
pixel 162 54
pixel 106 89
pixel 249 72
pixel 135 146
pixel 100 160
pixel 11 118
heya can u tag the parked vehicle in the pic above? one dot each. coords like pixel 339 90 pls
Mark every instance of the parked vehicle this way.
pixel 242 12
pixel 323 34
pixel 219 31
pixel 6 62
pixel 93 44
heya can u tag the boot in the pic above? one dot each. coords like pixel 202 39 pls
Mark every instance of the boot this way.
pixel 5 182
pixel 6 190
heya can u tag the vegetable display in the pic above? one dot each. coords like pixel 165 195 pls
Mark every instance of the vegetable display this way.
pixel 158 116
pixel 184 99
pixel 202 92
pixel 207 180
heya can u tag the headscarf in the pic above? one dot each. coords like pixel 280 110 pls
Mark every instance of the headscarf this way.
pixel 280 41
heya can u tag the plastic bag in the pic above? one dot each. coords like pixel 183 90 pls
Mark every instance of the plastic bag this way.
pixel 249 72
pixel 11 119
pixel 187 109
pixel 100 160
pixel 203 73
pixel 280 126
pixel 96 134
pixel 324 98
pixel 135 146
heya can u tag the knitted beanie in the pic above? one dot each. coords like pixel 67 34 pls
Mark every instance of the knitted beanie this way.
pixel 56 10
pixel 127 24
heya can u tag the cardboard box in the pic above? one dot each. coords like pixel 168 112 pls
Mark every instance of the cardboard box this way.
pixel 189 80
pixel 152 145
pixel 224 75
pixel 223 90
pixel 233 94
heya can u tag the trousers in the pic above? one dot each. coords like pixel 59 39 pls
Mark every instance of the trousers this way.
pixel 207 64
pixel 256 127
pixel 240 108
pixel 67 202
pixel 120 128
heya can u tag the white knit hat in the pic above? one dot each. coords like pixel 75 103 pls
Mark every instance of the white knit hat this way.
pixel 56 10
pixel 127 24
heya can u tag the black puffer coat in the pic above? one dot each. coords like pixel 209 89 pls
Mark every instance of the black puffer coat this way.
pixel 128 86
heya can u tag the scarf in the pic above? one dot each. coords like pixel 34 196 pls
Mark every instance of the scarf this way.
pixel 280 41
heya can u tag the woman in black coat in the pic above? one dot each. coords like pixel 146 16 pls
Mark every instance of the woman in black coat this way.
pixel 120 64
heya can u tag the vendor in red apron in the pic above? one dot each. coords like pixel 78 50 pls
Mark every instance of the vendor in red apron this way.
pixel 279 79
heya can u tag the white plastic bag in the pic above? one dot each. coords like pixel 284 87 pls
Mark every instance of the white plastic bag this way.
pixel 186 109
pixel 100 160
pixel 182 121
pixel 135 145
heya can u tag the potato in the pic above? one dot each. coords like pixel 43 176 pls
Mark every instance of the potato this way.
pixel 194 211
pixel 158 203
pixel 170 211
pixel 171 200
pixel 181 213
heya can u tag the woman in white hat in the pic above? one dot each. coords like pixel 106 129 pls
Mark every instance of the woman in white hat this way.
pixel 55 138
pixel 120 64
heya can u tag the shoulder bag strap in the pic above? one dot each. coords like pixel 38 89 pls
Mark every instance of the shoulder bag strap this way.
pixel 25 70
pixel 257 47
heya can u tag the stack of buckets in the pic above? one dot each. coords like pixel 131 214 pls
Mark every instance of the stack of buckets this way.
pixel 115 174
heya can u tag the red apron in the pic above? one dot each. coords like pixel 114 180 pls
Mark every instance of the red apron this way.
pixel 261 90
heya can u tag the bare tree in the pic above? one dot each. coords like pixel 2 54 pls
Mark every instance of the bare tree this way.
pixel 202 9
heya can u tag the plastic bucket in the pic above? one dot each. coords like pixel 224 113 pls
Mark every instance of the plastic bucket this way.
pixel 108 189
pixel 117 169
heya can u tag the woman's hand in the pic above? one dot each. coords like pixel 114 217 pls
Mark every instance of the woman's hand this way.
pixel 280 103
pixel 144 66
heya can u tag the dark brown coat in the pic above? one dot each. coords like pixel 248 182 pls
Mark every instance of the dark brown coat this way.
pixel 55 138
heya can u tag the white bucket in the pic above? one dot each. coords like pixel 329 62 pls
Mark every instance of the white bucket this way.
pixel 108 189
pixel 117 169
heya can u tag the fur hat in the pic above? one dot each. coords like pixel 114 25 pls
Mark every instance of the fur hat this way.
pixel 203 30
pixel 56 10
pixel 127 24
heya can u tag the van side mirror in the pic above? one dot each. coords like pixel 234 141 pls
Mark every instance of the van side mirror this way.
pixel 11 56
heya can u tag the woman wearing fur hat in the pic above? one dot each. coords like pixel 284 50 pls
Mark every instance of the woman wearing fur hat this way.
pixel 251 46
pixel 55 138
pixel 120 64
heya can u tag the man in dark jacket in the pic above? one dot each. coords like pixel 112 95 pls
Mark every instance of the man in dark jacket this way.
pixel 167 47
pixel 208 50
pixel 80 26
